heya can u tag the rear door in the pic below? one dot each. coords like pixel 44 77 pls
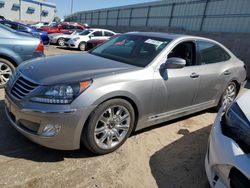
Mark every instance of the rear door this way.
pixel 214 71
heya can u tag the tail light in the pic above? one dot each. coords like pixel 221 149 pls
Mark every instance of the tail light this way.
pixel 40 47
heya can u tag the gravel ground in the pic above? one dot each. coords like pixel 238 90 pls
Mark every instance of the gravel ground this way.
pixel 166 155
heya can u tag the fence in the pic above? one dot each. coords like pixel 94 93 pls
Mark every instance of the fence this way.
pixel 192 15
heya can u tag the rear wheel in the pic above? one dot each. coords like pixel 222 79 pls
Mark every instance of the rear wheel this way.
pixel 228 96
pixel 109 126
pixel 82 46
pixel 61 41
pixel 6 70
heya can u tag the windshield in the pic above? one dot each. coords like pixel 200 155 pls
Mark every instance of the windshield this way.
pixel 132 49
pixel 85 32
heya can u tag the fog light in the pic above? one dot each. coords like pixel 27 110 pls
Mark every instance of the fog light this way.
pixel 51 130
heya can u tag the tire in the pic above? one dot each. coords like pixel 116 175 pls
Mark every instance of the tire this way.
pixel 112 134
pixel 61 41
pixel 6 70
pixel 238 180
pixel 225 99
pixel 82 46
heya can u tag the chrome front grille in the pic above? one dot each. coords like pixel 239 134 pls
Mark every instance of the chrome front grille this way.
pixel 22 87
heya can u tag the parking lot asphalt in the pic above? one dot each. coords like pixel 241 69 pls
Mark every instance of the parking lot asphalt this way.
pixel 166 155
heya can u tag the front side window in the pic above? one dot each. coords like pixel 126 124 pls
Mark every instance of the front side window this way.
pixel 185 50
pixel 211 53
pixel 132 49
pixel 97 33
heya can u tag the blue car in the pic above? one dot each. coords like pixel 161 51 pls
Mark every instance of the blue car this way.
pixel 27 29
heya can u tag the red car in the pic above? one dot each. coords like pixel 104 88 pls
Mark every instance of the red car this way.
pixel 64 27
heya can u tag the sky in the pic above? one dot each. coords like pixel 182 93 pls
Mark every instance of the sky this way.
pixel 64 6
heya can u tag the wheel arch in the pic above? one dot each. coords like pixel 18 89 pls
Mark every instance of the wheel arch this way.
pixel 9 59
pixel 129 98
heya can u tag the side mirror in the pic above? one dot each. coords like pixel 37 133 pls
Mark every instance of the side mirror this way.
pixel 90 36
pixel 175 63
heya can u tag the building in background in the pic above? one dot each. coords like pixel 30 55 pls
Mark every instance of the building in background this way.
pixel 27 10
pixel 189 15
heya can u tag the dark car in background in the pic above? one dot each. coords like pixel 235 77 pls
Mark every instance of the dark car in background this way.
pixel 16 47
pixel 94 42
pixel 27 29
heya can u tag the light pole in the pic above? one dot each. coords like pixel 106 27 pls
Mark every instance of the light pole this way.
pixel 72 2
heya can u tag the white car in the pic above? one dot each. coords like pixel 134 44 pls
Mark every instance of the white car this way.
pixel 40 24
pixel 227 161
pixel 59 38
pixel 80 41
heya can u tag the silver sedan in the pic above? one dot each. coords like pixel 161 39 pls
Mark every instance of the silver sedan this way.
pixel 133 81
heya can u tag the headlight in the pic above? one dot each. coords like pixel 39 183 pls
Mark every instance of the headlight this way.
pixel 62 94
pixel 236 125
pixel 75 39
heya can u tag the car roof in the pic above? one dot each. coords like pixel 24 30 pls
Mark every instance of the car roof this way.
pixel 17 23
pixel 159 34
pixel 94 29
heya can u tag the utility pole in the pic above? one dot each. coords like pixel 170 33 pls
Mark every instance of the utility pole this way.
pixel 72 2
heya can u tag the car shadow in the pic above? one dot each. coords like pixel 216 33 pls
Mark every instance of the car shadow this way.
pixel 181 163
pixel 171 121
pixel 15 145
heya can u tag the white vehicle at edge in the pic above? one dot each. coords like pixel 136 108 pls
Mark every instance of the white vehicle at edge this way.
pixel 80 41
pixel 40 24
pixel 227 161
pixel 59 38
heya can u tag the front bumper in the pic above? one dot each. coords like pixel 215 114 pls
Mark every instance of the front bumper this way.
pixel 71 44
pixel 30 123
pixel 222 155
pixel 53 40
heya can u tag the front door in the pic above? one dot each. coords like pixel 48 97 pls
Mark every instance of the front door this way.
pixel 177 88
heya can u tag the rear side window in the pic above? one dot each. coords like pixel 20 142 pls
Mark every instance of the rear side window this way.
pixel 109 34
pixel 211 53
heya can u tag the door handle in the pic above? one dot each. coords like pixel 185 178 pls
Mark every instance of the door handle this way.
pixel 227 72
pixel 194 75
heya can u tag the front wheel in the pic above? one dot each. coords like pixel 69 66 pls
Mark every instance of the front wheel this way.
pixel 6 70
pixel 82 46
pixel 109 126
pixel 61 41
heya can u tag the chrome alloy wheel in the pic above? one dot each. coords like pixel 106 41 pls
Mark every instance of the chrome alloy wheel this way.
pixel 112 127
pixel 5 73
pixel 61 41
pixel 229 96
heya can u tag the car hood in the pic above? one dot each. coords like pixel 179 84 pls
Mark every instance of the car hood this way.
pixel 70 68
pixel 76 36
pixel 244 104
pixel 61 35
